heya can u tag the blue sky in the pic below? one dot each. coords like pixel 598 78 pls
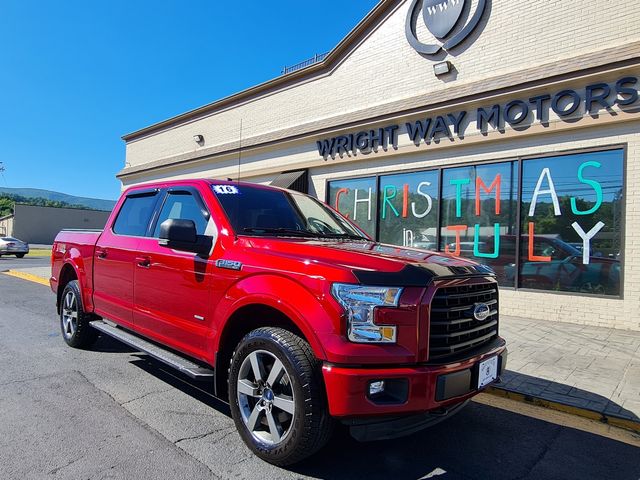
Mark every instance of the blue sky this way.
pixel 76 76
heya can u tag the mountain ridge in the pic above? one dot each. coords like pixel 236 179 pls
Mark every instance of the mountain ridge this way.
pixel 88 202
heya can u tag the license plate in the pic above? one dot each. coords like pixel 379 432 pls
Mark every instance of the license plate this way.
pixel 487 371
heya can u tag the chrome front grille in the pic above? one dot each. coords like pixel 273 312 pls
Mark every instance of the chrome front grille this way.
pixel 453 327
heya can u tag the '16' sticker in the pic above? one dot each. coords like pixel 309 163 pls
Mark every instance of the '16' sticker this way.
pixel 225 189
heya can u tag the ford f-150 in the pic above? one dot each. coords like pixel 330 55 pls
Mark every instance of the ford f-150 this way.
pixel 298 319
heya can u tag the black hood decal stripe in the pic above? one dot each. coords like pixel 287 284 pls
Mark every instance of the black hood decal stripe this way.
pixel 420 275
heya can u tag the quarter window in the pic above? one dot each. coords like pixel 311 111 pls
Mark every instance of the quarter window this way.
pixel 135 214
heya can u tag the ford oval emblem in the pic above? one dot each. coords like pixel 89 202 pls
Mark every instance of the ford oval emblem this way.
pixel 440 16
pixel 481 311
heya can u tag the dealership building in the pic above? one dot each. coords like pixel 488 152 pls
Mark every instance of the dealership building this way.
pixel 505 132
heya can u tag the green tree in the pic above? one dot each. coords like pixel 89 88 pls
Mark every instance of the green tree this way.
pixel 8 201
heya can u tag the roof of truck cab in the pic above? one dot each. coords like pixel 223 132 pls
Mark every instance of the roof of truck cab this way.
pixel 192 181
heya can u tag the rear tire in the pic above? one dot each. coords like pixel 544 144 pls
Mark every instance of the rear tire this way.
pixel 74 322
pixel 277 396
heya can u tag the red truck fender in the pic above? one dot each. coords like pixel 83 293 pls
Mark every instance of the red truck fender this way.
pixel 266 290
pixel 74 260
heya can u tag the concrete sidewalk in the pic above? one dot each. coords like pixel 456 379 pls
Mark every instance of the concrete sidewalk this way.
pixel 590 368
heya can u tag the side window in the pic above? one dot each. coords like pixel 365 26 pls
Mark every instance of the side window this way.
pixel 181 206
pixel 133 218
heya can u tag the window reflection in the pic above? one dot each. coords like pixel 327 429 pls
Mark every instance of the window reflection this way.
pixel 571 223
pixel 356 199
pixel 409 209
pixel 479 206
pixel 571 217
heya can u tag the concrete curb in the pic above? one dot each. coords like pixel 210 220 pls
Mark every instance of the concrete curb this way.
pixel 27 276
pixel 631 425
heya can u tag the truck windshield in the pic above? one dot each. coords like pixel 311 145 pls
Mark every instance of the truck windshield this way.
pixel 266 212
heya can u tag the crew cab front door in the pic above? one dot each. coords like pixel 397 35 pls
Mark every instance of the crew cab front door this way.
pixel 172 296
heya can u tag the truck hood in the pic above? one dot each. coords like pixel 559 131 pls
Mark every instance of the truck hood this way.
pixel 371 262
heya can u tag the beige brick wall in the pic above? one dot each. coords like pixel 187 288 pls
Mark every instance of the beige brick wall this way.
pixel 383 68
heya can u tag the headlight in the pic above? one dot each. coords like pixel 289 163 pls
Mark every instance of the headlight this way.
pixel 360 301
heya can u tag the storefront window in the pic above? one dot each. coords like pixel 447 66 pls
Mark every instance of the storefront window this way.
pixel 479 207
pixel 571 217
pixel 572 223
pixel 356 199
pixel 409 209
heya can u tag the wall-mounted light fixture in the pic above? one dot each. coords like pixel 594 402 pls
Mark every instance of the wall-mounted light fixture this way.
pixel 442 68
pixel 198 139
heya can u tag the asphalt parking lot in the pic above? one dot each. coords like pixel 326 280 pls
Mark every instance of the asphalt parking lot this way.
pixel 11 262
pixel 114 413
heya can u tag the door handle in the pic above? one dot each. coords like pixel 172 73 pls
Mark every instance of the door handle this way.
pixel 144 262
pixel 101 253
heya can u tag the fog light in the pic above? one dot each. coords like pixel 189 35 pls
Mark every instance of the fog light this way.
pixel 388 391
pixel 376 387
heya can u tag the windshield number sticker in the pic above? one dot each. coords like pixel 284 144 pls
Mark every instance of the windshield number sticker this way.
pixel 226 189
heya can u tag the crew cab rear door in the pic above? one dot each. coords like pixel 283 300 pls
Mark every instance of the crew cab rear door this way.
pixel 115 254
pixel 173 289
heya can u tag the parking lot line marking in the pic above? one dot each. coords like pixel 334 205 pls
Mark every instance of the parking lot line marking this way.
pixel 27 276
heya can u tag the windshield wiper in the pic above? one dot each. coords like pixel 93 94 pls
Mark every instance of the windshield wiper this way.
pixel 281 231
pixel 302 233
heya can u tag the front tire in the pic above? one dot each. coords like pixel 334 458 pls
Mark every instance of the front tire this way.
pixel 74 321
pixel 277 396
pixel 20 255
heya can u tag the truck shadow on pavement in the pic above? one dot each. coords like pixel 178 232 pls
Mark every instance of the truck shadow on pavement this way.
pixel 201 390
pixel 481 442
pixel 107 344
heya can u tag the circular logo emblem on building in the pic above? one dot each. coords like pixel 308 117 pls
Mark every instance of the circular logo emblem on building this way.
pixel 441 17
pixel 481 311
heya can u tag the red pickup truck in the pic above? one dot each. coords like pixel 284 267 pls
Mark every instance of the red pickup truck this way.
pixel 298 318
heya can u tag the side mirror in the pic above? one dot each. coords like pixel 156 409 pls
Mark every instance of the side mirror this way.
pixel 180 234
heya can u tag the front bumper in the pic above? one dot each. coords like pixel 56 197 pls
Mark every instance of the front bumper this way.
pixel 430 387
pixel 390 427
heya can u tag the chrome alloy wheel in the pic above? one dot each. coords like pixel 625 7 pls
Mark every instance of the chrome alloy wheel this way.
pixel 265 397
pixel 69 315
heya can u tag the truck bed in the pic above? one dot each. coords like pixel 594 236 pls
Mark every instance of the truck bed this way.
pixel 79 244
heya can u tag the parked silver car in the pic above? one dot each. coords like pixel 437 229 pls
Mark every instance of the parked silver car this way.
pixel 13 246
